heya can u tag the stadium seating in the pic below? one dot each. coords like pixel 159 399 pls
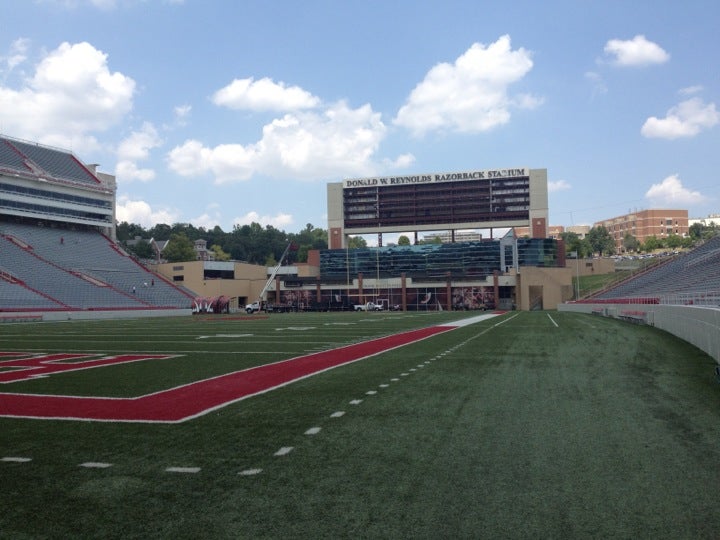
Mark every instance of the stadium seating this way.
pixel 73 269
pixel 57 163
pixel 691 278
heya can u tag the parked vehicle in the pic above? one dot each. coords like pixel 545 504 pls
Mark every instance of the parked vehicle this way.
pixel 369 306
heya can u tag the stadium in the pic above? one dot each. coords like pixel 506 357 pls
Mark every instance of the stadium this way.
pixel 454 416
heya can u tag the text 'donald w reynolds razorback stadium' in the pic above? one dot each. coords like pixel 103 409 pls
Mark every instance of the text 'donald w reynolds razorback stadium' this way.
pixel 486 199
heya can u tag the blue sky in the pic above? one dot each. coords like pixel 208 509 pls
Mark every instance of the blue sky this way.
pixel 227 112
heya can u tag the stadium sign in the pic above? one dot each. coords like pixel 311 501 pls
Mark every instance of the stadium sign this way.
pixel 487 174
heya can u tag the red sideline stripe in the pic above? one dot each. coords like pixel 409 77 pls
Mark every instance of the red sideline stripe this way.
pixel 194 399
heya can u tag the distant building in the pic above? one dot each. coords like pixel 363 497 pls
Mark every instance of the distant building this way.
pixel 646 223
pixel 447 237
pixel 580 230
pixel 553 231
pixel 712 219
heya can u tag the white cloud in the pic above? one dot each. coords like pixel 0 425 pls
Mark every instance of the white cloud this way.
pixel 558 185
pixel 278 221
pixel 403 161
pixel 71 94
pixel 671 192
pixel 181 113
pixel 690 90
pixel 17 54
pixel 598 83
pixel 305 145
pixel 637 51
pixel 470 95
pixel 686 119
pixel 140 212
pixel 136 148
pixel 264 95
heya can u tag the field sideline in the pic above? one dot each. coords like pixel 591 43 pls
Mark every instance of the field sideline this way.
pixel 540 424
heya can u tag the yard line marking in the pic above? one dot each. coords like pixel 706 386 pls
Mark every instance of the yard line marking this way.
pixel 356 402
pixel 95 465
pixel 11 459
pixel 225 336
pixel 394 379
pixel 404 374
pixel 285 450
pixel 250 472
pixel 383 385
pixel 184 470
pixel 337 414
pixel 371 392
pixel 553 321
pixel 313 431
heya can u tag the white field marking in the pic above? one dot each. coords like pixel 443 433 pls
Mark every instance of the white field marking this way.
pixel 284 451
pixel 421 365
pixel 337 414
pixel 506 320
pixel 250 472
pixel 472 320
pixel 427 361
pixel 225 336
pixel 371 392
pixel 95 465
pixel 404 374
pixel 553 321
pixel 11 459
pixel 394 379
pixel 339 323
pixel 185 470
pixel 412 369
pixel 383 385
pixel 296 328
pixel 356 402
pixel 313 431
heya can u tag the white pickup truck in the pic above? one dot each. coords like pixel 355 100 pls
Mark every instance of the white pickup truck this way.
pixel 252 308
pixel 369 306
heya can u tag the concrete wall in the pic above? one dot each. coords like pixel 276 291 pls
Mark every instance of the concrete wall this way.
pixel 247 285
pixel 552 285
pixel 697 325
pixel 87 315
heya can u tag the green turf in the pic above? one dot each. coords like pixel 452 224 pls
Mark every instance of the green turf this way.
pixel 589 429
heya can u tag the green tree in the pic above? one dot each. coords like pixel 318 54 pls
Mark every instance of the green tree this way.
pixel 673 241
pixel 179 249
pixel 141 249
pixel 219 254
pixel 403 240
pixel 651 244
pixel 630 243
pixel 601 241
pixel 355 242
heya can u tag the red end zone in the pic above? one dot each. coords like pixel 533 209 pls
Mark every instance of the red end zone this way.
pixel 195 399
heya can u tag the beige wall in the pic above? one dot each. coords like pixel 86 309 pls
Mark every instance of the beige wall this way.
pixel 543 287
pixel 247 285
pixel 589 267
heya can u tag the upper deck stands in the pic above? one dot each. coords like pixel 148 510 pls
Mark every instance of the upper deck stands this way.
pixel 42 160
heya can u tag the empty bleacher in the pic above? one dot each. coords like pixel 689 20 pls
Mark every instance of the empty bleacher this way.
pixel 691 278
pixel 76 269
pixel 56 163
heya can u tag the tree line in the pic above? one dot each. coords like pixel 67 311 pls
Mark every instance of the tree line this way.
pixel 251 243
pixel 599 240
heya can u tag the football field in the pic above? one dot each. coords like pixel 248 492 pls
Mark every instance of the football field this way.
pixel 347 425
